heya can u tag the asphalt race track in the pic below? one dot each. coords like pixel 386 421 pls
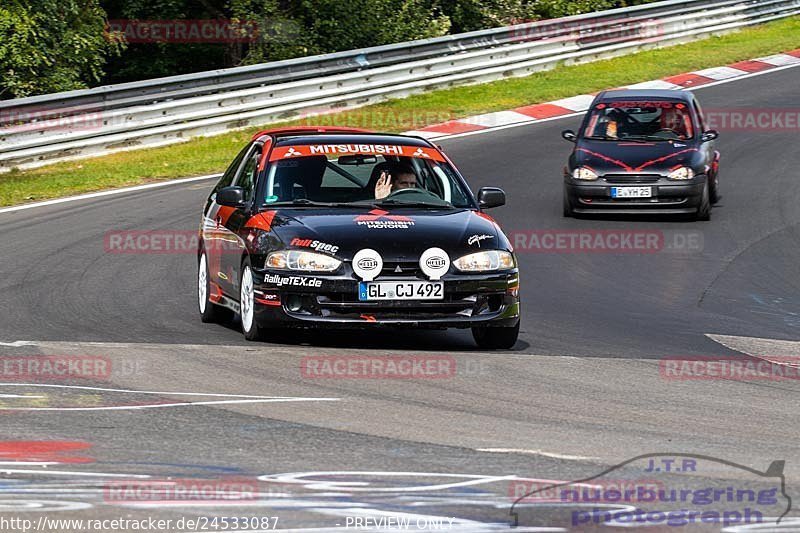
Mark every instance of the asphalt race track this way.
pixel 581 392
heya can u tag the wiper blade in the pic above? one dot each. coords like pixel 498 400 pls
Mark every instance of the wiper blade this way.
pixel 302 202
pixel 645 138
pixel 394 202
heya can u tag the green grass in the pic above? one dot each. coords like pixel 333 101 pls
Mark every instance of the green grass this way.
pixel 208 155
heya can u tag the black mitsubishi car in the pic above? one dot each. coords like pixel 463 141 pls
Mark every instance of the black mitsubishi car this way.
pixel 642 152
pixel 341 228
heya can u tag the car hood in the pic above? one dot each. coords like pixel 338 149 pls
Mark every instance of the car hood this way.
pixel 606 157
pixel 396 233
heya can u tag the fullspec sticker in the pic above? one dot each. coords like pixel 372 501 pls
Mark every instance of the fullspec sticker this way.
pixel 314 245
pixel 293 281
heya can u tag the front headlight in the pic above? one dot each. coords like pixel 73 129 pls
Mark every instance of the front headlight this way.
pixel 682 173
pixel 584 173
pixel 485 261
pixel 299 260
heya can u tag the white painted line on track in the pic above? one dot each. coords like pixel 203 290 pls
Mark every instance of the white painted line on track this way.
pixel 17 344
pixel 537 452
pixel 71 473
pixel 40 506
pixel 241 399
pixel 128 391
pixel 309 480
pixel 160 405
pixel 106 193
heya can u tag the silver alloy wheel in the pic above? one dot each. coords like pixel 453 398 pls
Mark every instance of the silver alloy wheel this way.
pixel 246 298
pixel 202 283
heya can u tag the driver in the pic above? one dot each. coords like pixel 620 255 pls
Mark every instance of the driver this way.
pixel 400 176
pixel 673 120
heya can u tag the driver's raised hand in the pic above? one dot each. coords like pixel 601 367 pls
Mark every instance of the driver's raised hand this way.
pixel 384 186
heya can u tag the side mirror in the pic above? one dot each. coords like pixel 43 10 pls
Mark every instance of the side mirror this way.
pixel 231 196
pixel 569 135
pixel 709 135
pixel 491 197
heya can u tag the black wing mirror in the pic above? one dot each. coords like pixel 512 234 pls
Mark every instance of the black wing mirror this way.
pixel 569 135
pixel 709 135
pixel 231 196
pixel 491 197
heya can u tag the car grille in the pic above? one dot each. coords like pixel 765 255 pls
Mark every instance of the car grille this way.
pixel 632 178
pixel 671 200
pixel 452 306
pixel 407 269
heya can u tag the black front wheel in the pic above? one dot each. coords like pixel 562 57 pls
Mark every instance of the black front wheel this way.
pixel 704 209
pixel 568 212
pixel 493 338
pixel 714 195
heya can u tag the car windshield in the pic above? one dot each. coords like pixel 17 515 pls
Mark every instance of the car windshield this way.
pixel 423 179
pixel 635 120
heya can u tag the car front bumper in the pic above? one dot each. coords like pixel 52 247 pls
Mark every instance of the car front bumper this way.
pixel 332 301
pixel 668 196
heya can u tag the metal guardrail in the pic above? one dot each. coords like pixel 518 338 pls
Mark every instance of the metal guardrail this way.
pixel 44 129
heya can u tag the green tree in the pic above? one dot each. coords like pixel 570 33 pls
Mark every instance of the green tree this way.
pixel 145 60
pixel 280 34
pixel 50 46
pixel 469 15
pixel 549 9
pixel 361 23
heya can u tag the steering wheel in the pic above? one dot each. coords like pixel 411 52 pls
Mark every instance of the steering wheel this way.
pixel 405 191
pixel 424 196
pixel 412 190
pixel 668 131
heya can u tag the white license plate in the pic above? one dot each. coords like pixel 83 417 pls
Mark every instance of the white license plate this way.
pixel 400 290
pixel 631 192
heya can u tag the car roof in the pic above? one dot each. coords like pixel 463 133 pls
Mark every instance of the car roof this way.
pixel 672 94
pixel 351 138
pixel 299 130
